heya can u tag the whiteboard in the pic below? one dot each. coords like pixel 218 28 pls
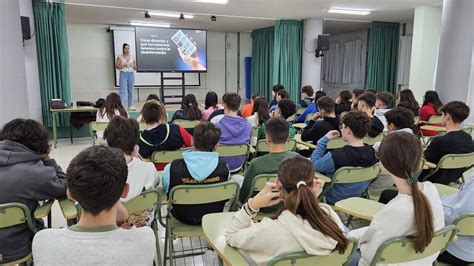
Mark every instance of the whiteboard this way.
pixel 123 35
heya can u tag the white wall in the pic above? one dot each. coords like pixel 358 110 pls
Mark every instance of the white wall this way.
pixel 13 85
pixel 311 65
pixel 245 51
pixel 91 62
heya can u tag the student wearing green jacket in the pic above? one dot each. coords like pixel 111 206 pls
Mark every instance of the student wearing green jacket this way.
pixel 277 134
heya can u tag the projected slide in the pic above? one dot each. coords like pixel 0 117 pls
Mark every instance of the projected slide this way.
pixel 159 49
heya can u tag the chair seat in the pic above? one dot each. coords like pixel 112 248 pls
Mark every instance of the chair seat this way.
pixel 299 125
pixel 359 207
pixel 445 191
pixel 180 229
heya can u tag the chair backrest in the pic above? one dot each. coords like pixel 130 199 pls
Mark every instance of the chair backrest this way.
pixel 258 183
pixel 308 117
pixel 464 224
pixel 417 119
pixel 468 130
pixel 300 110
pixel 262 145
pixel 401 249
pixel 167 156
pixel 371 141
pixel 255 132
pixel 202 194
pixel 302 258
pixel 434 119
pixel 149 199
pixel 97 126
pixel 291 119
pixel 233 150
pixel 336 143
pixel 456 161
pixel 349 174
pixel 14 214
pixel 187 124
pixel 142 126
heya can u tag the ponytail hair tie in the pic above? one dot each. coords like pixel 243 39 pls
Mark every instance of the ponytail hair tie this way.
pixel 411 179
pixel 300 183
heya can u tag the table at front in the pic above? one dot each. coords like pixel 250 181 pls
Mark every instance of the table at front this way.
pixel 214 226
pixel 54 113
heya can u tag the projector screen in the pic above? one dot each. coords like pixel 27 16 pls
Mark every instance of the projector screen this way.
pixel 163 49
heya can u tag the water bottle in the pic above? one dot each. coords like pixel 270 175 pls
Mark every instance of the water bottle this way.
pixel 74 104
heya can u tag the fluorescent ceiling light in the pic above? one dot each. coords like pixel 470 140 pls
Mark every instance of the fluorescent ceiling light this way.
pixel 170 15
pixel 150 24
pixel 349 12
pixel 221 2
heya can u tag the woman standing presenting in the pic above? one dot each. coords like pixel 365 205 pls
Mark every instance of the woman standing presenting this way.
pixel 127 66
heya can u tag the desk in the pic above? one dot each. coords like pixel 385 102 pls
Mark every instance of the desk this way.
pixel 323 177
pixel 54 113
pixel 359 207
pixel 299 125
pixel 214 226
pixel 434 128
pixel 427 165
pixel 445 191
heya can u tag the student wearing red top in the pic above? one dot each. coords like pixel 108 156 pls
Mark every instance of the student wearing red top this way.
pixel 431 104
pixel 247 109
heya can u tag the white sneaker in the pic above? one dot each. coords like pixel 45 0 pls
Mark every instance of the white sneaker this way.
pixel 132 108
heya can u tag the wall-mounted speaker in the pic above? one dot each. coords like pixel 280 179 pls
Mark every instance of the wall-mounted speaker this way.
pixel 25 28
pixel 323 44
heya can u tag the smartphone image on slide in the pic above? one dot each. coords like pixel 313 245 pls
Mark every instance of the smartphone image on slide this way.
pixel 184 43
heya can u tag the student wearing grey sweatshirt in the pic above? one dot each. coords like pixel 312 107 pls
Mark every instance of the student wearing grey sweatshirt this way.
pixel 27 175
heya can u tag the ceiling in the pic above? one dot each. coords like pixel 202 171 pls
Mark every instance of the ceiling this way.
pixel 244 15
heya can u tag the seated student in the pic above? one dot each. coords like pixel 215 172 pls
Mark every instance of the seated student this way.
pixel 275 89
pixel 259 117
pixel 415 212
pixel 311 109
pixel 210 106
pixel 315 128
pixel 366 104
pixel 398 119
pixel 27 175
pixel 459 252
pixel 199 166
pixel 355 94
pixel 189 109
pixel 124 133
pixel 217 115
pixel 405 98
pixel 150 97
pixel 280 95
pixel 97 180
pixel 455 141
pixel 382 102
pixel 355 126
pixel 247 109
pixel 307 97
pixel 111 107
pixel 431 105
pixel 160 135
pixel 286 108
pixel 343 102
pixel 234 130
pixel 277 134
pixel 303 224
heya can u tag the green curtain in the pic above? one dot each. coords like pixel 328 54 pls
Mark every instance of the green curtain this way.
pixel 262 61
pixel 382 56
pixel 53 56
pixel 287 56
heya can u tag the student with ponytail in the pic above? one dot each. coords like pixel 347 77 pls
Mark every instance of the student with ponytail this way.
pixel 303 224
pixel 416 212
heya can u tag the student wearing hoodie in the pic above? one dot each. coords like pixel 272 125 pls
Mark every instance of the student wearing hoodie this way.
pixel 366 104
pixel 27 175
pixel 355 126
pixel 316 128
pixel 398 119
pixel 311 109
pixel 198 166
pixel 303 224
pixel 234 129
pixel 160 135
pixel 382 104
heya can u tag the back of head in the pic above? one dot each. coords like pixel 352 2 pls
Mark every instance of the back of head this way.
pixel 283 94
pixel 326 104
pixel 260 106
pixel 255 95
pixel 358 122
pixel 206 136
pixel 433 98
pixel 152 112
pixel 277 130
pixel 152 96
pixel 211 99
pixel 318 95
pixel 308 90
pixel 112 103
pixel 458 111
pixel 277 87
pixel 96 178
pixel 232 101
pixel 287 108
pixel 27 132
pixel 400 153
pixel 357 92
pixel 296 175
pixel 368 98
pixel 385 97
pixel 400 117
pixel 406 96
pixel 190 105
pixel 122 133
pixel 345 96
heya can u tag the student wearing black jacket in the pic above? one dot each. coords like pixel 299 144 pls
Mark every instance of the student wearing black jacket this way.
pixel 366 104
pixel 316 129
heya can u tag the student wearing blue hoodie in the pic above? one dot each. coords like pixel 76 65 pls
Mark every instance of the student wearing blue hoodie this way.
pixel 234 129
pixel 198 166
